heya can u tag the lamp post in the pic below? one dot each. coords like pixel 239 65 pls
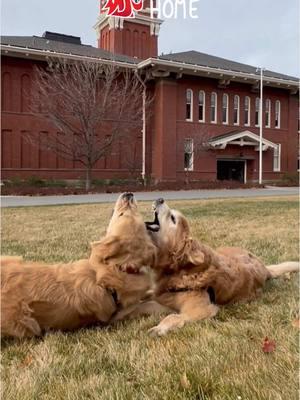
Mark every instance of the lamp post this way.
pixel 144 128
pixel 261 125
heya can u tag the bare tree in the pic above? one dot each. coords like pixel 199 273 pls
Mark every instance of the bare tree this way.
pixel 131 154
pixel 91 104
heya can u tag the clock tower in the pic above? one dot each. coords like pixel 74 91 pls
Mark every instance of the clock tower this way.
pixel 135 37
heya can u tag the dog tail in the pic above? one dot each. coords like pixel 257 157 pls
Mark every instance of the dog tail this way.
pixel 283 268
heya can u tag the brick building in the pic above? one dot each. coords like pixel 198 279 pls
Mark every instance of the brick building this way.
pixel 205 118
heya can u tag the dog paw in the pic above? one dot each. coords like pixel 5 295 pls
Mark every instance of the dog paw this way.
pixel 157 331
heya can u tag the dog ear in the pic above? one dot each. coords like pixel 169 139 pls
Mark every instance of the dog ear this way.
pixel 194 253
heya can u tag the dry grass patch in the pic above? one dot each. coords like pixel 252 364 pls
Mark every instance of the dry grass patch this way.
pixel 220 359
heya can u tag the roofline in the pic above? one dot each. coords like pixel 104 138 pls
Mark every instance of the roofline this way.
pixel 49 53
pixel 150 62
pixel 198 68
pixel 215 141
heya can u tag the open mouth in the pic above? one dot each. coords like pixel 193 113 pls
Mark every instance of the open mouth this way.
pixel 153 226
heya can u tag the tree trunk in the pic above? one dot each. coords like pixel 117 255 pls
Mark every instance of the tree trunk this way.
pixel 88 178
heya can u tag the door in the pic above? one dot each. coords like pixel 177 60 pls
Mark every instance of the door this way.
pixel 231 170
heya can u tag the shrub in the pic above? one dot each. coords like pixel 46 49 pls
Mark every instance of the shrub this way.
pixel 291 177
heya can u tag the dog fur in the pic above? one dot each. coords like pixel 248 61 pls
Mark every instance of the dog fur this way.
pixel 37 297
pixel 188 271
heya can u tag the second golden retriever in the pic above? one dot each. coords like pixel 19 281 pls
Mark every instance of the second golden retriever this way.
pixel 192 279
pixel 36 297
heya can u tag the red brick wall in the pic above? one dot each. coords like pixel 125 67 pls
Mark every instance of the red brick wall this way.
pixel 205 163
pixel 21 159
pixel 133 40
pixel 166 130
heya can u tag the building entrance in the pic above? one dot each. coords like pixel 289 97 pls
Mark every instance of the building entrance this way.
pixel 231 170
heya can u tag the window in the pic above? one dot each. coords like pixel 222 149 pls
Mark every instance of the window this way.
pixel 213 108
pixel 276 158
pixel 277 114
pixel 268 113
pixel 201 106
pixel 189 105
pixel 247 111
pixel 257 104
pixel 236 110
pixel 188 154
pixel 225 109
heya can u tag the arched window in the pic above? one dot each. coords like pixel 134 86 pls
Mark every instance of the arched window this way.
pixel 128 42
pixel 277 114
pixel 6 89
pixel 268 113
pixel 25 93
pixel 135 43
pixel 144 45
pixel 201 106
pixel 247 111
pixel 236 110
pixel 257 104
pixel 225 109
pixel 213 107
pixel 189 105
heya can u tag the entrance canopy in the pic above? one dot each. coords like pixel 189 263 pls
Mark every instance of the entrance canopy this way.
pixel 240 138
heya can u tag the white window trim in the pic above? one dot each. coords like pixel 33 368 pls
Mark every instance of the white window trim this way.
pixel 202 91
pixel 227 107
pixel 192 100
pixel 191 168
pixel 259 110
pixel 278 168
pixel 279 114
pixel 269 110
pixel 238 110
pixel 249 111
pixel 216 108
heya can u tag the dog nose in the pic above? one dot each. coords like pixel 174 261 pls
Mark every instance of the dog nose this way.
pixel 160 201
pixel 129 195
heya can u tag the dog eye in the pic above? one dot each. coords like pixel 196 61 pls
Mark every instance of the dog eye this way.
pixel 120 215
pixel 173 219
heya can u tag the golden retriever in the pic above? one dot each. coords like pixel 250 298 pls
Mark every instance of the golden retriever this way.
pixel 37 297
pixel 193 279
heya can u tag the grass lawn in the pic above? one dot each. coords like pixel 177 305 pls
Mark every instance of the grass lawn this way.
pixel 219 359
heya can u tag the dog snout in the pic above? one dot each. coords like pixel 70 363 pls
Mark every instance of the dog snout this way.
pixel 158 203
pixel 128 196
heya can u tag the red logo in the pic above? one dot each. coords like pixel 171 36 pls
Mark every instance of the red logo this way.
pixel 122 8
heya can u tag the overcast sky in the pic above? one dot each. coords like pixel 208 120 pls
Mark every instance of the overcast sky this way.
pixel 257 32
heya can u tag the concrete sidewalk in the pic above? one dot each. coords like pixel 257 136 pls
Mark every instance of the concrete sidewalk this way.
pixel 25 201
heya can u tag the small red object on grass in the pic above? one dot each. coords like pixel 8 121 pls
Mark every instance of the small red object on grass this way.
pixel 268 346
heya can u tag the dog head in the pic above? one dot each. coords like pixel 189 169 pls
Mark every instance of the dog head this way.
pixel 126 241
pixel 170 232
